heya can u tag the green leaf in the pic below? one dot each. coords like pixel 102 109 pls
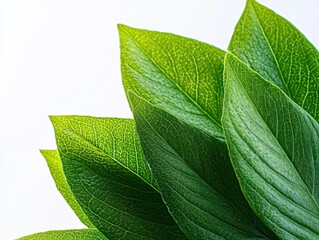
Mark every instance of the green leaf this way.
pixel 194 176
pixel 105 169
pixel 184 77
pixel 273 47
pixel 55 165
pixel 274 149
pixel 76 234
pixel 181 75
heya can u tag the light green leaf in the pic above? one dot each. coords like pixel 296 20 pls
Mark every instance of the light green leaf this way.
pixel 55 165
pixel 76 234
pixel 274 148
pixel 194 176
pixel 181 75
pixel 105 169
pixel 273 47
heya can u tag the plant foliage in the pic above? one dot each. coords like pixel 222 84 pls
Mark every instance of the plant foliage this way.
pixel 223 145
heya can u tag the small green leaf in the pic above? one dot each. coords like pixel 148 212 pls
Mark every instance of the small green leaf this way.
pixel 55 165
pixel 76 234
pixel 274 148
pixel 181 75
pixel 273 47
pixel 105 169
pixel 194 176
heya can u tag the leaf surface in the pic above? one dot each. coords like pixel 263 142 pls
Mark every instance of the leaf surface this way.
pixel 105 169
pixel 181 75
pixel 274 148
pixel 277 50
pixel 194 177
pixel 55 165
pixel 76 234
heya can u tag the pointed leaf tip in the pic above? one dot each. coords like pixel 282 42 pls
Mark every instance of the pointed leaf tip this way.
pixel 153 65
pixel 277 50
pixel 121 27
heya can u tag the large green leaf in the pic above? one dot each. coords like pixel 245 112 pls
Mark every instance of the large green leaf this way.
pixel 184 77
pixel 76 234
pixel 105 169
pixel 274 148
pixel 273 47
pixel 194 176
pixel 181 75
pixel 55 165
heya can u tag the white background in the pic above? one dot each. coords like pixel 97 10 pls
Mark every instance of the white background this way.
pixel 62 57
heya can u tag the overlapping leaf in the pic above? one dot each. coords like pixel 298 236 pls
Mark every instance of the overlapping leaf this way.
pixel 166 70
pixel 55 165
pixel 192 171
pixel 273 47
pixel 180 75
pixel 104 167
pixel 175 90
pixel 76 234
pixel 274 148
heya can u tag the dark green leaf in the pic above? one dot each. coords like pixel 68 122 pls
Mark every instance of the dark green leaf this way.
pixel 273 47
pixel 180 75
pixel 76 234
pixel 105 169
pixel 274 148
pixel 55 165
pixel 194 176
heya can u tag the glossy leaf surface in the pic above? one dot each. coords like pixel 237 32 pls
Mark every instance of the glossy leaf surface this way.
pixel 194 177
pixel 181 75
pixel 273 145
pixel 273 47
pixel 105 169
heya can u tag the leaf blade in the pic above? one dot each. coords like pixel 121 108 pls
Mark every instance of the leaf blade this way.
pixel 120 201
pixel 55 165
pixel 256 129
pixel 198 202
pixel 76 234
pixel 181 75
pixel 273 47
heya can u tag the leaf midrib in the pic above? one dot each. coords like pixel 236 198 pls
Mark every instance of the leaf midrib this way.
pixel 283 215
pixel 221 195
pixel 117 209
pixel 273 170
pixel 111 157
pixel 112 207
pixel 270 48
pixel 171 80
pixel 208 199
pixel 254 106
